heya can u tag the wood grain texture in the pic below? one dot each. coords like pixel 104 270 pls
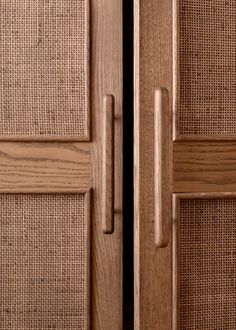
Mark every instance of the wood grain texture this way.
pixel 108 165
pixel 208 195
pixel 176 64
pixel 44 167
pixel 204 167
pixel 88 203
pixel 106 78
pixel 59 166
pixel 162 167
pixel 207 138
pixel 153 69
pixel 175 283
pixel 46 138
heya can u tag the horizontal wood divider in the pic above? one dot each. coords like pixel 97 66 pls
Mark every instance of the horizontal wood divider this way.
pixel 45 167
pixel 45 138
pixel 204 167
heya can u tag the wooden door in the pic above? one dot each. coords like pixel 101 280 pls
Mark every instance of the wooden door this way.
pixel 185 174
pixel 61 75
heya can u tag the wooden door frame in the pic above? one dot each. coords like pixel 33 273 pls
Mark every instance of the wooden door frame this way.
pixel 153 59
pixel 210 173
pixel 73 165
pixel 106 78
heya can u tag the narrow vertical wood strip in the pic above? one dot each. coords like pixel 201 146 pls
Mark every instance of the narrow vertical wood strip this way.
pixel 88 203
pixel 175 216
pixel 175 44
pixel 108 165
pixel 162 167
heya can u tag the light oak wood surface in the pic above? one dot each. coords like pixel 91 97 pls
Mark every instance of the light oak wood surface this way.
pixel 204 166
pixel 108 165
pixel 106 74
pixel 162 167
pixel 153 69
pixel 42 164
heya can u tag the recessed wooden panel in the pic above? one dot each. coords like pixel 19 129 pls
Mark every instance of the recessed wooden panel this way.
pixel 44 68
pixel 44 261
pixel 206 263
pixel 206 67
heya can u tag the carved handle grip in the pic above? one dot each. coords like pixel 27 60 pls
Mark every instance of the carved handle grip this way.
pixel 162 167
pixel 108 165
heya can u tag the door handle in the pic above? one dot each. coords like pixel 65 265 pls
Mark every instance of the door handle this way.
pixel 162 167
pixel 108 164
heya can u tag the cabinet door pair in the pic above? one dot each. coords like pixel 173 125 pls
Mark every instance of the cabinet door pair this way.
pixel 185 164
pixel 61 164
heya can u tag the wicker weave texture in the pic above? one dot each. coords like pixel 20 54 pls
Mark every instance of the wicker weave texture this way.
pixel 44 67
pixel 207 66
pixel 207 264
pixel 43 262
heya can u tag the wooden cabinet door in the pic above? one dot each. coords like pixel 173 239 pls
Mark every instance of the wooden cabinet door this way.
pixel 185 173
pixel 61 83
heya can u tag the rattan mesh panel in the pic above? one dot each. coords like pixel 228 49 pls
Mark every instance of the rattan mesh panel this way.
pixel 44 67
pixel 207 264
pixel 43 261
pixel 207 67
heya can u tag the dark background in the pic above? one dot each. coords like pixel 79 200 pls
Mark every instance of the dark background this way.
pixel 128 307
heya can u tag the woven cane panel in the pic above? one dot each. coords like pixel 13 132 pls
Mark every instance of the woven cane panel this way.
pixel 207 67
pixel 44 67
pixel 207 264
pixel 43 262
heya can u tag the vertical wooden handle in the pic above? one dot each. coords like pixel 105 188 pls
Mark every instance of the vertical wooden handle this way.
pixel 162 167
pixel 108 165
